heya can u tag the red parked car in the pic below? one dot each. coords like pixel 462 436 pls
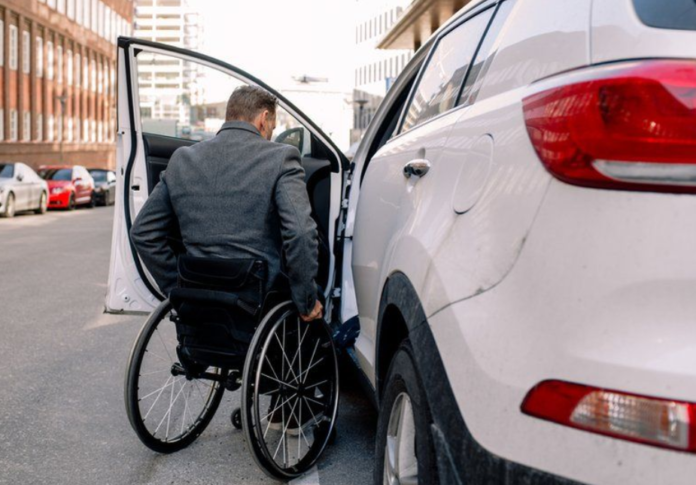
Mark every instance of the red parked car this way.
pixel 68 186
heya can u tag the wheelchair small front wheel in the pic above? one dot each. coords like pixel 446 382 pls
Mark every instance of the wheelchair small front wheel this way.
pixel 289 392
pixel 167 408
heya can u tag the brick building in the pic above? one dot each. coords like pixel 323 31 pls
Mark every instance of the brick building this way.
pixel 58 80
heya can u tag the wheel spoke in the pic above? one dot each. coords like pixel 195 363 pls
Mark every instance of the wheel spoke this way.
pixel 285 358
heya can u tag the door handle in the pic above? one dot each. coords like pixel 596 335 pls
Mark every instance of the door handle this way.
pixel 417 168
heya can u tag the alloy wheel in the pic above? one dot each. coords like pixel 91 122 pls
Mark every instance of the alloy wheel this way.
pixel 400 461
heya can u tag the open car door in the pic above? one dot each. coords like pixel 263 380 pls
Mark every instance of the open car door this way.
pixel 170 97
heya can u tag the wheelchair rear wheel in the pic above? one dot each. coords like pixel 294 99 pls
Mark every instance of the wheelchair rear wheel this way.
pixel 289 392
pixel 167 406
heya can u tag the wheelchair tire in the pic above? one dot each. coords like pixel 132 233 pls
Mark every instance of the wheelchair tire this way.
pixel 153 390
pixel 290 373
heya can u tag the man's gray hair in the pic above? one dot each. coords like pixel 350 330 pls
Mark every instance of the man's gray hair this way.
pixel 246 102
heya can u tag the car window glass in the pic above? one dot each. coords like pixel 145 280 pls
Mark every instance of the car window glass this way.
pixel 56 174
pixel 98 175
pixel 484 57
pixel 442 78
pixel 110 177
pixel 187 100
pixel 6 170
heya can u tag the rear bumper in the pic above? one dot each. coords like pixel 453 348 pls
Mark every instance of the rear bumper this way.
pixel 59 201
pixel 460 458
pixel 601 295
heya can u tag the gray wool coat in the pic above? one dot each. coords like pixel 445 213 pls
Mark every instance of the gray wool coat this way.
pixel 237 195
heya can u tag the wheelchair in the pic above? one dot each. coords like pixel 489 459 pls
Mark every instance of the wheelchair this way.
pixel 220 330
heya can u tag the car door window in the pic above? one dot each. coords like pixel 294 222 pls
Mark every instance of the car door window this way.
pixel 484 56
pixel 440 82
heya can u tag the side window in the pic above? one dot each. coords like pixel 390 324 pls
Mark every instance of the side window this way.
pixel 110 177
pixel 440 82
pixel 485 56
pixel 187 100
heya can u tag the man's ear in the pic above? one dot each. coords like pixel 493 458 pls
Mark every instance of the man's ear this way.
pixel 263 119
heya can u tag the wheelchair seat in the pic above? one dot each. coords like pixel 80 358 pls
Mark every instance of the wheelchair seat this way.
pixel 217 306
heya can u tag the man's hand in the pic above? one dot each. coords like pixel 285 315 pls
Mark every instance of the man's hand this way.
pixel 315 314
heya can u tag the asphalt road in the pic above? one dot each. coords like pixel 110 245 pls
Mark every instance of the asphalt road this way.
pixel 62 364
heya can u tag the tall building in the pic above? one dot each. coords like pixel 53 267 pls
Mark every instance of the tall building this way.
pixel 418 22
pixel 376 69
pixel 168 87
pixel 58 77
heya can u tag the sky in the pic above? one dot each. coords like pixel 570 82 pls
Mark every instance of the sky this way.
pixel 278 39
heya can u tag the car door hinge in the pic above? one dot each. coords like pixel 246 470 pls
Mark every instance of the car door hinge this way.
pixel 336 293
pixel 344 204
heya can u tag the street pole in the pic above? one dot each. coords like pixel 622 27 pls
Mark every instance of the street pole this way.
pixel 63 99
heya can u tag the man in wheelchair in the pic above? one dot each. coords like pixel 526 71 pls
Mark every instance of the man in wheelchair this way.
pixel 236 196
pixel 239 205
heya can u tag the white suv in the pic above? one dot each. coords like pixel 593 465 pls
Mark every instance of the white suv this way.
pixel 514 241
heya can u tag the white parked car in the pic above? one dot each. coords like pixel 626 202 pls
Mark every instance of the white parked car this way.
pixel 514 240
pixel 21 189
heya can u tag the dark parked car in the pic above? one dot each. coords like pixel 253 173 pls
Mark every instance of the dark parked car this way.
pixel 104 186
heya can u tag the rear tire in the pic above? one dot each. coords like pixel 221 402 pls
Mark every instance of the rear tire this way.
pixel 404 451
pixel 43 204
pixel 92 201
pixel 71 202
pixel 152 357
pixel 9 206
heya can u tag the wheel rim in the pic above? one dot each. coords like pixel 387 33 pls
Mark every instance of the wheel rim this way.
pixel 400 461
pixel 10 206
pixel 42 204
pixel 170 405
pixel 294 396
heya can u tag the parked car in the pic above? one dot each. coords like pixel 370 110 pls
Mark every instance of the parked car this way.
pixel 514 242
pixel 21 189
pixel 69 185
pixel 104 186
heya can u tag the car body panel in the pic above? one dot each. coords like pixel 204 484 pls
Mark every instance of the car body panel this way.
pixel 618 34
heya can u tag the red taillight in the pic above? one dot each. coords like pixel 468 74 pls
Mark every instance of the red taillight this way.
pixel 648 420
pixel 631 128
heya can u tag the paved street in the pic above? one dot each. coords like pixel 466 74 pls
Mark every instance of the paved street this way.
pixel 62 416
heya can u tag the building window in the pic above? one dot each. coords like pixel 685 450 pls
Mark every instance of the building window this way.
pixel 13 47
pixel 26 52
pixel 85 130
pixel 95 11
pixel 107 23
pixel 49 60
pixel 78 67
pixel 78 12
pixel 59 127
pixel 61 6
pixel 26 126
pixel 71 9
pixel 69 68
pixel 100 19
pixel 93 76
pixel 87 14
pixel 49 128
pixel 39 57
pixel 69 134
pixel 39 127
pixel 85 74
pixel 13 124
pixel 52 3
pixel 59 63
pixel 78 131
pixel 2 43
